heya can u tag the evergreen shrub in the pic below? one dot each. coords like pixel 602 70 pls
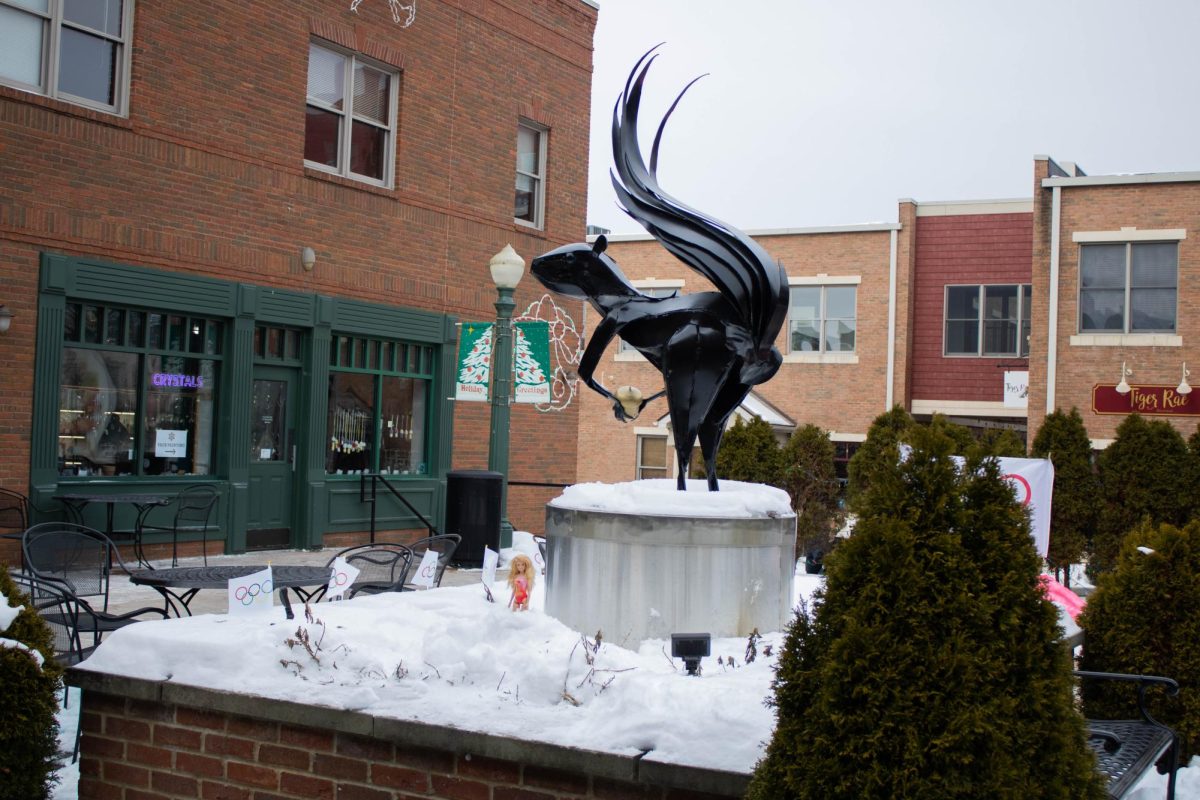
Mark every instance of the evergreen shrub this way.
pixel 1146 474
pixel 810 478
pixel 1075 511
pixel 878 451
pixel 1144 618
pixel 931 665
pixel 749 452
pixel 28 695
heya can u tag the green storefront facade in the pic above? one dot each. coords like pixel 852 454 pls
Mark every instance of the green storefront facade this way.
pixel 148 381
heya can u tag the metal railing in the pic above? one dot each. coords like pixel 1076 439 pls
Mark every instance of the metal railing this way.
pixel 371 496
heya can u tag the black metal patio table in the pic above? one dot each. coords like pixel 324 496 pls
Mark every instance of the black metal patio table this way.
pixel 190 580
pixel 78 501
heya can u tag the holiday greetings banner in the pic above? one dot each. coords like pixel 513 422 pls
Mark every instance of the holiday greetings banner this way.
pixel 474 361
pixel 531 361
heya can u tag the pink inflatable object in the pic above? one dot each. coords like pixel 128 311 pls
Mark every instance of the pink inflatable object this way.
pixel 1061 595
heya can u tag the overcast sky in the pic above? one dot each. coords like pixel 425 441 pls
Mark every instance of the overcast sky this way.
pixel 826 112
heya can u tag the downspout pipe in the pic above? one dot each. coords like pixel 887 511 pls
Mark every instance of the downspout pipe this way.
pixel 1052 317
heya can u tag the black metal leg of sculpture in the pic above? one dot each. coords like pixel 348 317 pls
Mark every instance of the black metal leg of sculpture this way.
pixel 713 428
pixel 692 377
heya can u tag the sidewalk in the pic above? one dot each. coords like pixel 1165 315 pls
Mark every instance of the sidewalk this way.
pixel 125 596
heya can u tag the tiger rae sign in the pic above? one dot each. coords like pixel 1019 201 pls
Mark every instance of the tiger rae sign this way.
pixel 1154 400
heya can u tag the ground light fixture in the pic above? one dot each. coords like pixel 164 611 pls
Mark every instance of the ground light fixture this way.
pixel 6 317
pixel 1184 387
pixel 691 647
pixel 1123 386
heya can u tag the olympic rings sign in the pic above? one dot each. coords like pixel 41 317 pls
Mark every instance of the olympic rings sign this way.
pixel 246 594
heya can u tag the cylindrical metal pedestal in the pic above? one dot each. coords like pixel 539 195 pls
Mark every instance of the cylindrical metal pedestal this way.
pixel 637 577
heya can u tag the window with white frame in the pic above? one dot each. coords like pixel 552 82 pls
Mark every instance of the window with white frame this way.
pixel 652 457
pixel 350 117
pixel 822 319
pixel 987 320
pixel 72 50
pixel 1128 287
pixel 530 205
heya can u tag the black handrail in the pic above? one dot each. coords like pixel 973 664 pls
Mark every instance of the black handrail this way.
pixel 538 483
pixel 376 479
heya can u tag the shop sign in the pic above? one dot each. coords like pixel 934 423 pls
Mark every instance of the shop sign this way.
pixel 170 444
pixel 175 379
pixel 1016 389
pixel 1148 400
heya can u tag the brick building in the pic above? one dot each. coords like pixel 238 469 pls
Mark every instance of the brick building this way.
pixel 948 311
pixel 1118 258
pixel 237 260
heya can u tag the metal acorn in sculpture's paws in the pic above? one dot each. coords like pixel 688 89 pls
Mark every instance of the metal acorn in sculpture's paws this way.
pixel 630 398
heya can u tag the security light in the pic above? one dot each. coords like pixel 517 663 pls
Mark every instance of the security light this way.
pixel 691 647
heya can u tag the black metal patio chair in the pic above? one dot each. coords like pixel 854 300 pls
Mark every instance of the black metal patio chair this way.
pixel 79 561
pixel 382 567
pixel 193 509
pixel 444 545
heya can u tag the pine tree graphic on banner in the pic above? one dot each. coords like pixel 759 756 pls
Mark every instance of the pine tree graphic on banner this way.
pixel 529 371
pixel 477 364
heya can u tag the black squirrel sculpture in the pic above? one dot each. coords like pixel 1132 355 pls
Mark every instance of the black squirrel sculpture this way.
pixel 710 347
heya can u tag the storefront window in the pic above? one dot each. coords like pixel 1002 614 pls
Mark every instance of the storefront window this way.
pixel 97 412
pixel 402 444
pixel 377 407
pixel 180 418
pixel 125 409
pixel 351 423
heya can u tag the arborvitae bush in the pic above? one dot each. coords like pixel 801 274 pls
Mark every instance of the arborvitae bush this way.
pixel 931 665
pixel 998 442
pixel 810 478
pixel 29 734
pixel 749 452
pixel 1144 618
pixel 1145 474
pixel 877 452
pixel 1064 440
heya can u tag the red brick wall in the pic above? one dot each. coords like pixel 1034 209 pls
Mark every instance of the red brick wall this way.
pixel 1080 367
pixel 963 249
pixel 137 750
pixel 206 175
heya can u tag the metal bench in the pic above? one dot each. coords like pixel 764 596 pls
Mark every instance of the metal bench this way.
pixel 1126 748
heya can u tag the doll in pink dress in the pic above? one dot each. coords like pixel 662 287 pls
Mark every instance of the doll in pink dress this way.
pixel 520 581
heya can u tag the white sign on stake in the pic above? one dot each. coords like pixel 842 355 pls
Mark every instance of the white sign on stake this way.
pixel 490 559
pixel 341 577
pixel 251 593
pixel 426 570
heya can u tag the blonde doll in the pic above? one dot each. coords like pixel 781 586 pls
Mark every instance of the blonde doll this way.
pixel 520 581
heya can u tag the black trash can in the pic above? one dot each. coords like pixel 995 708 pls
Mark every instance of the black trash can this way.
pixel 473 512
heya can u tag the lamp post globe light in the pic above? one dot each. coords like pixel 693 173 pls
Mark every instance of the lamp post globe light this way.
pixel 507 269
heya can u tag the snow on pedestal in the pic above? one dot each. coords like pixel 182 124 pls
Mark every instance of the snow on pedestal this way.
pixel 643 560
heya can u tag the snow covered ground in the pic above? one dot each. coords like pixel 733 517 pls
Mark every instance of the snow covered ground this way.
pixel 450 657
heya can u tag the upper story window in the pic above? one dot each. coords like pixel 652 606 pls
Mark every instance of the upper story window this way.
pixel 822 319
pixel 72 50
pixel 530 205
pixel 988 320
pixel 1128 287
pixel 350 118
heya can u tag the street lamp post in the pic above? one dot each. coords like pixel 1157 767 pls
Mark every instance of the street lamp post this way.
pixel 507 269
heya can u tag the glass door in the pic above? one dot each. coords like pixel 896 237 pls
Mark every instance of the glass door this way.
pixel 272 458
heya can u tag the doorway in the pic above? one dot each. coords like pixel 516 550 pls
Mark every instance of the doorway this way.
pixel 272 458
